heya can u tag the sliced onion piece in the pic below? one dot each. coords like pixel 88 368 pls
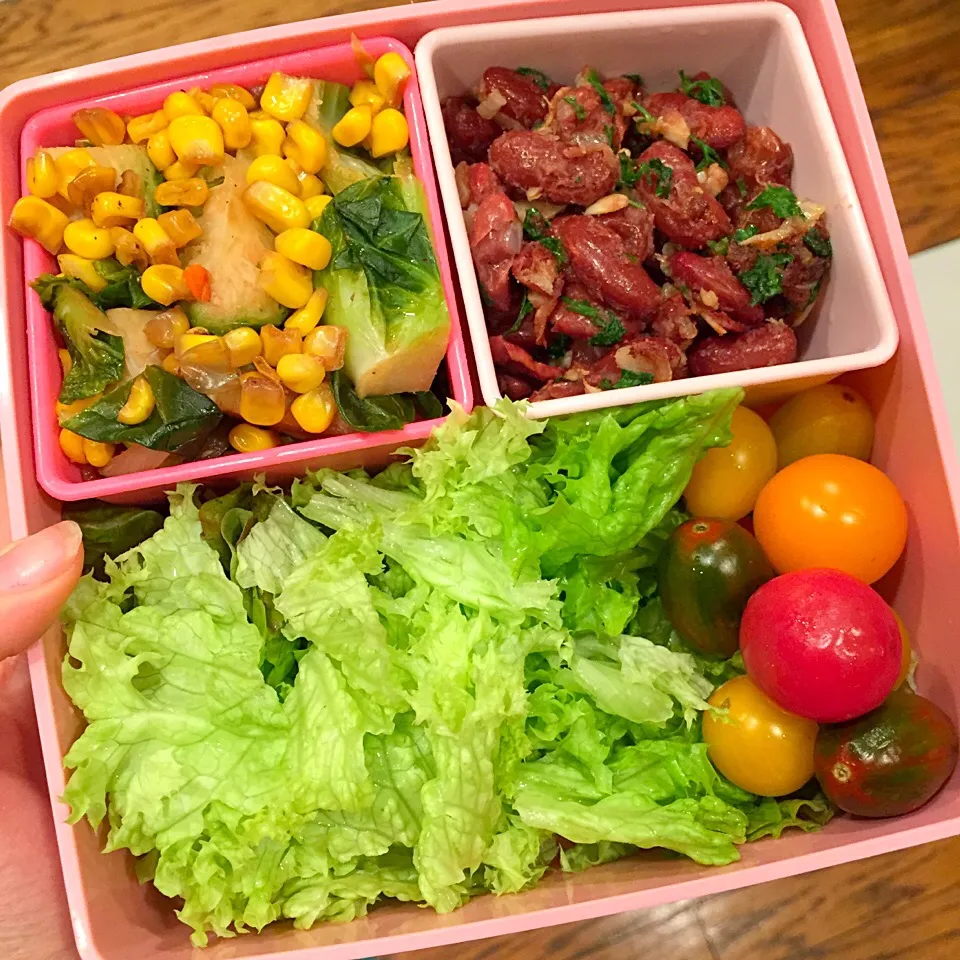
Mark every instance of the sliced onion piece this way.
pixel 491 104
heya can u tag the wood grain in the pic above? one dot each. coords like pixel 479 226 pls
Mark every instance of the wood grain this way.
pixel 904 906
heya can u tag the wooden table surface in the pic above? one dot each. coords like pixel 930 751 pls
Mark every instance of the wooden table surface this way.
pixel 905 905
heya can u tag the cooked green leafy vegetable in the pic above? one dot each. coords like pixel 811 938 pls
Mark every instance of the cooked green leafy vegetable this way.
pixel 745 233
pixel 384 285
pixel 656 173
pixel 628 378
pixel 781 200
pixel 537 227
pixel 180 415
pixel 123 287
pixel 109 530
pixel 610 328
pixel 601 91
pixel 537 76
pixel 719 247
pixel 765 278
pixel 818 243
pixel 391 412
pixel 707 155
pixel 708 91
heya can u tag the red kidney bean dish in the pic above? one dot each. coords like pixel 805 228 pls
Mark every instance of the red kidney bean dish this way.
pixel 623 237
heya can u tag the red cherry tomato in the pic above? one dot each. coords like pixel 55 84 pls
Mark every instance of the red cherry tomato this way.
pixel 822 644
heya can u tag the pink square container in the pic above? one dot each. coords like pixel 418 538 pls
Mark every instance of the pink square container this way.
pixel 759 51
pixel 115 919
pixel 53 127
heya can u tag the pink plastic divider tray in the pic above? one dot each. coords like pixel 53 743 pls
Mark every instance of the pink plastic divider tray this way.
pixel 116 919
pixel 53 127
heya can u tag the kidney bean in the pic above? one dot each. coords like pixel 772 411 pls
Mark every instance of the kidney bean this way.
pixel 719 127
pixel 557 389
pixel 688 215
pixel 764 346
pixel 536 268
pixel 482 181
pixel 579 117
pixel 495 239
pixel 525 100
pixel 656 355
pixel 516 388
pixel 761 157
pixel 802 276
pixel 763 218
pixel 714 274
pixel 621 89
pixel 468 134
pixel 673 321
pixel 518 361
pixel 599 260
pixel 565 321
pixel 530 160
pixel 634 225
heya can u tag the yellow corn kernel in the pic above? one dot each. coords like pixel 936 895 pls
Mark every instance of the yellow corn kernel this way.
pixel 171 364
pixel 146 125
pixel 42 176
pixel 206 100
pixel 86 239
pixel 98 454
pixel 196 140
pixel 159 150
pixel 234 92
pixel 102 127
pixel 72 446
pixel 287 282
pixel 115 209
pixel 40 220
pixel 187 341
pixel 83 189
pixel 139 405
pixel 286 98
pixel 262 400
pixel 366 94
pixel 316 205
pixel 275 170
pixel 266 135
pixel 328 343
pixel 389 133
pixel 300 372
pixel 305 145
pixel 390 73
pixel 246 438
pixel 314 411
pixel 181 104
pixel 310 185
pixel 278 208
pixel 278 343
pixel 66 411
pixel 186 192
pixel 69 164
pixel 181 170
pixel 309 315
pixel 81 269
pixel 353 126
pixel 243 344
pixel 128 249
pixel 66 361
pixel 164 283
pixel 180 226
pixel 304 247
pixel 157 242
pixel 232 118
pixel 164 329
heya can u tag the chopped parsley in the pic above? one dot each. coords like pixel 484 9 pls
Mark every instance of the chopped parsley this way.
pixel 709 91
pixel 609 132
pixel 707 155
pixel 537 76
pixel 643 114
pixel 536 227
pixel 765 278
pixel 781 200
pixel 719 247
pixel 578 109
pixel 629 174
pixel 745 233
pixel 817 243
pixel 656 169
pixel 610 333
pixel 605 98
pixel 814 291
pixel 635 77
pixel 611 330
pixel 526 307
pixel 742 187
pixel 558 346
pixel 627 379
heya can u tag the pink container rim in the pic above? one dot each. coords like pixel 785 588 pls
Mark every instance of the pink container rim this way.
pixel 59 477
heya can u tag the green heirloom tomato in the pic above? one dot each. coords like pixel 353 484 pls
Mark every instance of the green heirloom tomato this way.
pixel 708 570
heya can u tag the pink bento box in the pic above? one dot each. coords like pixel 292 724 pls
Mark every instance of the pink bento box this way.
pixel 116 919
pixel 53 127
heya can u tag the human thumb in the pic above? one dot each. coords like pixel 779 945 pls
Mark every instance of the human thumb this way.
pixel 37 575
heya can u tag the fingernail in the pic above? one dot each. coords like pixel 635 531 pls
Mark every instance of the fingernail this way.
pixel 41 557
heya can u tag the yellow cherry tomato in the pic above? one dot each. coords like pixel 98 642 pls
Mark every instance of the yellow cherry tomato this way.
pixel 728 480
pixel 754 743
pixel 827 419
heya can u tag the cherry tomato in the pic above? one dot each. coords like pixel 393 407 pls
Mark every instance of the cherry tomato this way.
pixel 906 660
pixel 827 419
pixel 831 511
pixel 726 482
pixel 707 571
pixel 822 644
pixel 755 744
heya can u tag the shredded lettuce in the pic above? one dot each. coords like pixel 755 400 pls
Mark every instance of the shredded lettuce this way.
pixel 397 687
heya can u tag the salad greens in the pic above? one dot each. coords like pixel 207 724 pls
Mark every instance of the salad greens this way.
pixel 409 685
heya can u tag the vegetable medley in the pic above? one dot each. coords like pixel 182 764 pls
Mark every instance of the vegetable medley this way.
pixel 624 237
pixel 239 269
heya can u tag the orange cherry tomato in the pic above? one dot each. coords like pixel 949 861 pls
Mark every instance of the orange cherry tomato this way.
pixel 754 743
pixel 831 510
